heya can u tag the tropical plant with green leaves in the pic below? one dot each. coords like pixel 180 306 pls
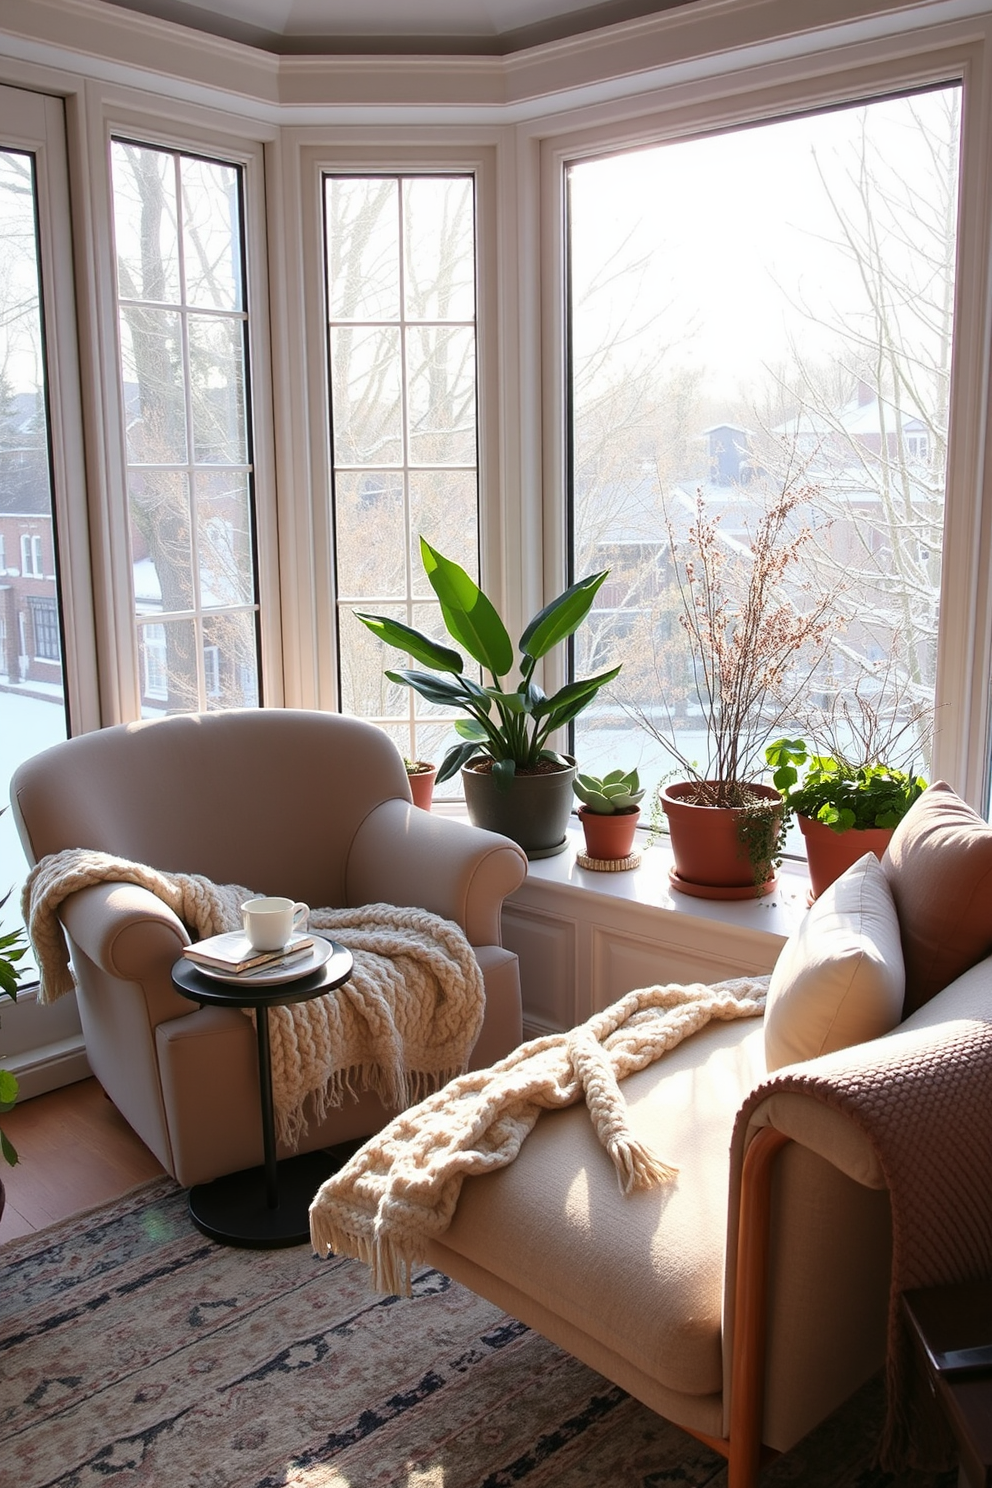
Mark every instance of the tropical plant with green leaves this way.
pixel 509 724
pixel 841 795
pixel 12 948
pixel 610 794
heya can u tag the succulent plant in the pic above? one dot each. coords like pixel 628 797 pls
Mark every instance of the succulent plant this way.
pixel 613 793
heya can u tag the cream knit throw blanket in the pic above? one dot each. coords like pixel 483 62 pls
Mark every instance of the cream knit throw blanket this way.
pixel 403 1025
pixel 401 1188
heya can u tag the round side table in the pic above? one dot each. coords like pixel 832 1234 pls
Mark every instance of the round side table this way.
pixel 268 1207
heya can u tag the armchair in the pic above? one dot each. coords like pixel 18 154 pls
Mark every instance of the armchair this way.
pixel 312 805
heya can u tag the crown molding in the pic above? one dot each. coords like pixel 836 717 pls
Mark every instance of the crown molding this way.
pixel 101 40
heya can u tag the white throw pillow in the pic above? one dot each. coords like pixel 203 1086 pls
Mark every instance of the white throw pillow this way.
pixel 839 978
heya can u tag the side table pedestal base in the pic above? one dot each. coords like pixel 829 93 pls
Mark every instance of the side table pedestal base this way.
pixel 234 1211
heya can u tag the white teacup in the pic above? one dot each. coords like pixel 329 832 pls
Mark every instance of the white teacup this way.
pixel 270 923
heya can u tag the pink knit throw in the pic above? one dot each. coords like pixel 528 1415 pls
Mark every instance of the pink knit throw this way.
pixel 923 1098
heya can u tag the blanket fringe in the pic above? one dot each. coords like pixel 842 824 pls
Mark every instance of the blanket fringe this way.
pixel 637 1166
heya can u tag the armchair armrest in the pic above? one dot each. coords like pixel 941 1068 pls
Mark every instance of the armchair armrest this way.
pixel 402 855
pixel 130 935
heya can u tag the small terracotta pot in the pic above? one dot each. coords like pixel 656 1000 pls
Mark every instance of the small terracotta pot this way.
pixel 711 861
pixel 829 853
pixel 422 786
pixel 609 838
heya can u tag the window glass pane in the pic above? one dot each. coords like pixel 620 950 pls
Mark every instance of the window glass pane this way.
pixel 229 660
pixel 211 234
pixel 167 655
pixel 788 327
pixel 444 509
pixel 363 248
pixel 371 526
pixel 161 548
pixel 441 382
pixel 32 693
pixel 224 545
pixel 145 223
pixel 182 369
pixel 439 249
pixel 217 392
pixel 154 386
pixel 367 393
pixel 403 415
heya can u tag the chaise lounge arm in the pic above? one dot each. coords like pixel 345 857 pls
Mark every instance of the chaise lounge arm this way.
pixel 899 1113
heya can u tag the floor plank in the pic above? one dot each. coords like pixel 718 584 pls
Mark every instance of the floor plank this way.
pixel 75 1150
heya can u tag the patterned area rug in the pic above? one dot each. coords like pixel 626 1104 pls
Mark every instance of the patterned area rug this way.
pixel 135 1351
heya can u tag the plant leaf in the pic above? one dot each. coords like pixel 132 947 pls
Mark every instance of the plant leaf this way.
pixel 457 755
pixel 469 616
pixel 414 642
pixel 557 621
pixel 435 689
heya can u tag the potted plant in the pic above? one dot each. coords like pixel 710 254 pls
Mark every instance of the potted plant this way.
pixel 752 651
pixel 514 782
pixel 12 948
pixel 609 814
pixel 844 809
pixel 421 775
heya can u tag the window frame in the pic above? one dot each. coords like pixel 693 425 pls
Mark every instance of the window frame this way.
pixel 316 655
pixel 195 133
pixel 964 661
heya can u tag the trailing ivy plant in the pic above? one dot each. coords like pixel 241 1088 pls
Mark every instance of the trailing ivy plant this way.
pixel 12 949
pixel 841 795
pixel 510 724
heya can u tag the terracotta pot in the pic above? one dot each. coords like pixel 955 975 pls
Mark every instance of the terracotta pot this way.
pixel 829 854
pixel 534 812
pixel 711 861
pixel 609 838
pixel 422 786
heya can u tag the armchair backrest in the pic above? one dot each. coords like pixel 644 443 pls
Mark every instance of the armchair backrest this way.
pixel 268 798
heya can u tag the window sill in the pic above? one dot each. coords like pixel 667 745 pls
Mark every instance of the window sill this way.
pixel 585 938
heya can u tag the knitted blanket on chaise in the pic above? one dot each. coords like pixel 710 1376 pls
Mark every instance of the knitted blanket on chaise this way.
pixel 402 1025
pixel 400 1190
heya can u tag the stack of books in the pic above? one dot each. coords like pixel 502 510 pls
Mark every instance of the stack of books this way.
pixel 233 954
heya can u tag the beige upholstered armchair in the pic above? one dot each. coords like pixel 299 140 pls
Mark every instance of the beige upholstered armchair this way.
pixel 311 805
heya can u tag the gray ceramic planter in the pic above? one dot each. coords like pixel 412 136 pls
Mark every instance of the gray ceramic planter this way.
pixel 534 812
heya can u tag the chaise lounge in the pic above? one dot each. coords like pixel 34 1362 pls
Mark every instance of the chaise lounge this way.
pixel 829 1155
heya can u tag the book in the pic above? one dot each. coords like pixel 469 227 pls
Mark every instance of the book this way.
pixel 233 953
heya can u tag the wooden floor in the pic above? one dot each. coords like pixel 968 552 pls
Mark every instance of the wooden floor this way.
pixel 75 1150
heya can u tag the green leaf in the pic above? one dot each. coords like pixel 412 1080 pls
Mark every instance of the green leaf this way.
pixel 582 692
pixel 8 1149
pixel 435 689
pixel 468 615
pixel 457 755
pixel 559 619
pixel 414 642
pixel 503 772
pixel 509 702
pixel 470 728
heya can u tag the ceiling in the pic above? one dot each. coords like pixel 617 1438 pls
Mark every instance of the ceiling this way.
pixel 409 27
